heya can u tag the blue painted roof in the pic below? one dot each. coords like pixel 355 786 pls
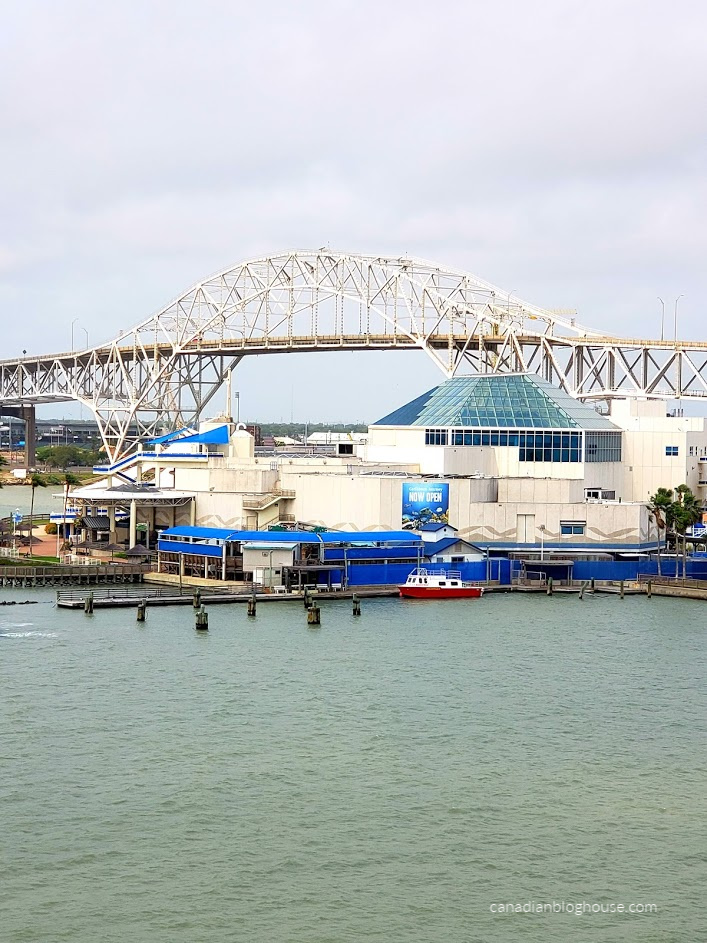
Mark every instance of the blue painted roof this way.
pixel 439 546
pixel 294 536
pixel 169 436
pixel 515 401
pixel 217 436
pixel 276 536
pixel 434 526
pixel 368 536
pixel 205 533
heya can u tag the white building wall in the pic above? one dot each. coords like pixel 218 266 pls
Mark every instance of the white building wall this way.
pixel 648 431
pixel 387 443
pixel 520 522
pixel 345 502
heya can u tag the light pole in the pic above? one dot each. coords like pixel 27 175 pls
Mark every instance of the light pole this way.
pixel 662 319
pixel 86 333
pixel 15 518
pixel 676 316
pixel 72 333
pixel 542 542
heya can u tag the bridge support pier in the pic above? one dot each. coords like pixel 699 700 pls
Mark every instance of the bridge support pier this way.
pixel 28 416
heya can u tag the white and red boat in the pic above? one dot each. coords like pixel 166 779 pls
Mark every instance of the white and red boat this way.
pixel 439 584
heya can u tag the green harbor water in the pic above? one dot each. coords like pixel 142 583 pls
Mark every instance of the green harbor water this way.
pixel 19 498
pixel 387 778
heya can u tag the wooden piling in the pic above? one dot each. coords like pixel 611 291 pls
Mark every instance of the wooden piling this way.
pixel 313 615
pixel 549 586
pixel 621 590
pixel 202 620
pixel 649 589
pixel 88 604
pixel 356 605
pixel 251 605
pixel 142 610
pixel 196 599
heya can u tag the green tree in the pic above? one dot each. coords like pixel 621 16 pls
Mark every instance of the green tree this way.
pixel 686 511
pixel 61 456
pixel 660 509
pixel 35 481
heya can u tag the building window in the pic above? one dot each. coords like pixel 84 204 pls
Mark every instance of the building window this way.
pixel 671 450
pixel 550 447
pixel 435 436
pixel 602 446
pixel 572 528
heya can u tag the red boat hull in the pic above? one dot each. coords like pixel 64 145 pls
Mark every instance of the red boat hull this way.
pixel 441 592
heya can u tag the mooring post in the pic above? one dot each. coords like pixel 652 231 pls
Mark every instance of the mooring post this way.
pixel 202 620
pixel 649 589
pixel 251 605
pixel 142 610
pixel 88 604
pixel 592 584
pixel 306 599
pixel 313 615
pixel 581 590
pixel 549 586
pixel 196 599
pixel 621 590
pixel 356 605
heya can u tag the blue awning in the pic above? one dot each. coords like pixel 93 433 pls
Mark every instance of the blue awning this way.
pixel 217 436
pixel 199 533
pixel 357 537
pixel 169 436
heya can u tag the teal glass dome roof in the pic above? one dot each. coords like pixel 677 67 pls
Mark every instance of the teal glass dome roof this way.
pixel 518 401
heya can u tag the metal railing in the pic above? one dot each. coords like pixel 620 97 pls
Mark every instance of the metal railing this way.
pixel 29 571
pixel 141 591
pixel 671 581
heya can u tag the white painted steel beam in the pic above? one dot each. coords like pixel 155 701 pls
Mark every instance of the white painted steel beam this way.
pixel 165 371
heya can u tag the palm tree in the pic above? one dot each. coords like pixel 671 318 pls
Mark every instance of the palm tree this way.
pixel 68 480
pixel 36 481
pixel 660 509
pixel 686 512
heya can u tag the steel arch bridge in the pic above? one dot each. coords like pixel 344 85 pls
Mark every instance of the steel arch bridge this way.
pixel 167 369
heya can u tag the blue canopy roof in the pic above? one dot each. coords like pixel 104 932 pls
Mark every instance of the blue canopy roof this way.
pixel 169 436
pixel 203 533
pixel 368 536
pixel 217 436
pixel 292 536
pixel 439 546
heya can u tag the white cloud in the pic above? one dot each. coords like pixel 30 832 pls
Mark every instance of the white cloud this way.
pixel 555 148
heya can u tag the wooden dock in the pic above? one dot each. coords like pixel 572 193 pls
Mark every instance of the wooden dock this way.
pixel 130 597
pixel 72 575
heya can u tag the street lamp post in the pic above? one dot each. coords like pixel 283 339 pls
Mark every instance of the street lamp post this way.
pixel 662 319
pixel 72 333
pixel 86 333
pixel 542 542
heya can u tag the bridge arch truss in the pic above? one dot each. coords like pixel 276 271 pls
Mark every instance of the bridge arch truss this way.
pixel 168 368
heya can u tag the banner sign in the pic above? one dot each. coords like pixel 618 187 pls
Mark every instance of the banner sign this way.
pixel 425 502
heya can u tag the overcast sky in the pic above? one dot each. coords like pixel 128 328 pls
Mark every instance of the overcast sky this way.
pixel 556 149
